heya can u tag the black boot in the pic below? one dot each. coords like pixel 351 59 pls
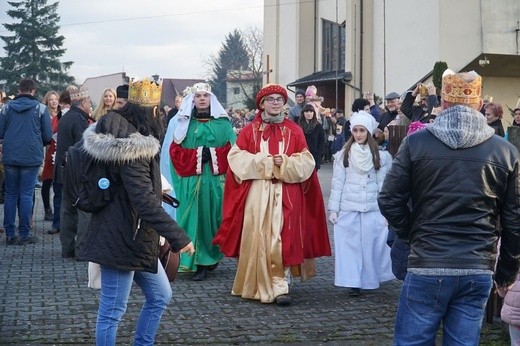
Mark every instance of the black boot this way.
pixel 354 292
pixel 49 216
pixel 200 274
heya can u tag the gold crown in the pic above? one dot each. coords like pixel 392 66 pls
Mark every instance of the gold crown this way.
pixel 456 90
pixel 78 94
pixel 145 92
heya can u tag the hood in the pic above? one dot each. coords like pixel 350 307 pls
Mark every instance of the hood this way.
pixel 115 140
pixel 23 103
pixel 461 127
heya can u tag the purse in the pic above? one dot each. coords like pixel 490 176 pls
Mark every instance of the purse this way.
pixel 170 260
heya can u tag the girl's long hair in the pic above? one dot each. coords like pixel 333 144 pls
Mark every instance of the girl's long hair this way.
pixel 145 119
pixel 374 149
pixel 101 109
pixel 305 108
pixel 46 98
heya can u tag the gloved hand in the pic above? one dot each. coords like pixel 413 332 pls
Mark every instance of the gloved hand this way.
pixel 206 155
pixel 333 218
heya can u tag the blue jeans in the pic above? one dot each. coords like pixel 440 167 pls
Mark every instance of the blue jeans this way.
pixel 457 301
pixel 20 182
pixel 115 290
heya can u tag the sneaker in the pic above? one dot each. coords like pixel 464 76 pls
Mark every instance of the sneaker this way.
pixel 12 240
pixel 28 240
pixel 53 231
pixel 49 216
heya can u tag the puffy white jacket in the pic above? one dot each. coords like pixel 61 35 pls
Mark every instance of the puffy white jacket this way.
pixel 351 191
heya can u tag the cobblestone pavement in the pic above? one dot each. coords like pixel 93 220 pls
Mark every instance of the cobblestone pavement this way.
pixel 44 299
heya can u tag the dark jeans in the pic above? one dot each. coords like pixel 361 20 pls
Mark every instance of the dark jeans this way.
pixel 74 225
pixel 46 193
pixel 57 187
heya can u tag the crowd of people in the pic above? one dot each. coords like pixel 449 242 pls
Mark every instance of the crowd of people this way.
pixel 247 185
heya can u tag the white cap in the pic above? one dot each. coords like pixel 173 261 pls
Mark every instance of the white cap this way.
pixel 364 119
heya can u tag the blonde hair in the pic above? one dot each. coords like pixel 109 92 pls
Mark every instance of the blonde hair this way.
pixel 45 100
pixel 100 108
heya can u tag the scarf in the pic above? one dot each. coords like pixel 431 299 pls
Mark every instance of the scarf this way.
pixel 272 131
pixel 461 127
pixel 360 158
pixel 308 126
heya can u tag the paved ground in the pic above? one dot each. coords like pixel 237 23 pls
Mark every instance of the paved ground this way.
pixel 44 299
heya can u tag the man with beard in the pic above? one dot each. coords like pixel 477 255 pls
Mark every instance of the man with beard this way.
pixel 194 162
pixel 422 112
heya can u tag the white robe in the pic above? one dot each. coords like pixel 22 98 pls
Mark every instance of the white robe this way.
pixel 362 257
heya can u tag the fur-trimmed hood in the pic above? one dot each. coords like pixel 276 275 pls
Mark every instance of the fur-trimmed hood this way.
pixel 114 139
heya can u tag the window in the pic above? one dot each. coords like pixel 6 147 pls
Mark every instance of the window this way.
pixel 333 46
pixel 236 90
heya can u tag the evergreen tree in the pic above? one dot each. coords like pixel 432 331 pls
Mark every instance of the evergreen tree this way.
pixel 232 56
pixel 35 48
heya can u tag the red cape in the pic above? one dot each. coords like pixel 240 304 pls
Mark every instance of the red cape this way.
pixel 304 233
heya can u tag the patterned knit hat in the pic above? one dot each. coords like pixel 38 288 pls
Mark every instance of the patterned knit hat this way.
pixel 268 90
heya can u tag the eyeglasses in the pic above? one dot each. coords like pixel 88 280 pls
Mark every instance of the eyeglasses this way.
pixel 273 100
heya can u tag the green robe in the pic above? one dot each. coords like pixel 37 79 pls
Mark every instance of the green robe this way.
pixel 200 196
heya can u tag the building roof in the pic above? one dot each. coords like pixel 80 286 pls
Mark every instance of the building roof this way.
pixel 323 77
pixel 172 87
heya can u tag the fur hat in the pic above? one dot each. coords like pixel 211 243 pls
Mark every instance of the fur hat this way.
pixel 364 119
pixel 267 90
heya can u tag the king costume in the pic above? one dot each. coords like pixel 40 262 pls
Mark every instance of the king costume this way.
pixel 273 217
pixel 198 185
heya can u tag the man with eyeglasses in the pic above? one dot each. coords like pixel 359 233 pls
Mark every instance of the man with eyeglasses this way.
pixel 273 221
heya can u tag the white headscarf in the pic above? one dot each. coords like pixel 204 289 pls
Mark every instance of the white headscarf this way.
pixel 184 114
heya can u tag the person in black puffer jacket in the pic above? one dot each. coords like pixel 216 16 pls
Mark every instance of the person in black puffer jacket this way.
pixel 124 237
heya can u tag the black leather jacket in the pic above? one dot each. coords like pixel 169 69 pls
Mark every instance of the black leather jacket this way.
pixel 458 198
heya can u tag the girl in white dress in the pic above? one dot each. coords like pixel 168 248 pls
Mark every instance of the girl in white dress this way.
pixel 362 257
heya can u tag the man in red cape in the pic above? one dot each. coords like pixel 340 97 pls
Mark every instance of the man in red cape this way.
pixel 273 215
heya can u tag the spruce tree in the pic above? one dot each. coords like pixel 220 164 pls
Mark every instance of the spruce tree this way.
pixel 35 48
pixel 232 56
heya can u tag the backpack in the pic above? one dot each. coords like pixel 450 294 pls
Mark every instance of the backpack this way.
pixel 86 181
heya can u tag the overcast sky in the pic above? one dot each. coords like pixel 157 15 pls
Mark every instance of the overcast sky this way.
pixel 171 38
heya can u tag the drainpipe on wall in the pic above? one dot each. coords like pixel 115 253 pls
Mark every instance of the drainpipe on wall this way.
pixel 315 33
pixel 361 31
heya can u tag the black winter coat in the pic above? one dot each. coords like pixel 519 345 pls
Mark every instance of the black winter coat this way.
pixel 316 143
pixel 70 131
pixel 125 234
pixel 416 113
pixel 458 196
